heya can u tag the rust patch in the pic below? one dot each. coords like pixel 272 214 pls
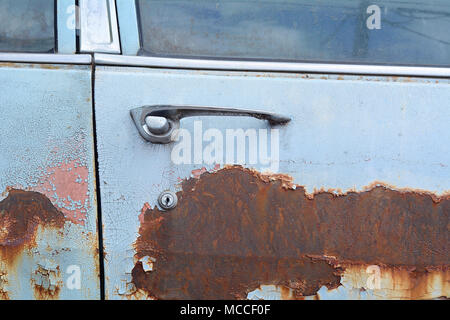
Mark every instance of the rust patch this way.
pixel 236 229
pixel 41 293
pixel 50 66
pixel 22 65
pixel 178 277
pixel 3 281
pixel 46 283
pixel 401 282
pixel 21 212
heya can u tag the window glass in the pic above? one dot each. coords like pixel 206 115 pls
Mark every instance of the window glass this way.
pixel 411 32
pixel 27 26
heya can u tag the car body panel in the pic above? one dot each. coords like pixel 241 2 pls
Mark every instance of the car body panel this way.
pixel 49 238
pixel 350 136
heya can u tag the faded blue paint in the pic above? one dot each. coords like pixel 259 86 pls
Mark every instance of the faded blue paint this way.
pixel 65 20
pixel 128 26
pixel 47 126
pixel 346 132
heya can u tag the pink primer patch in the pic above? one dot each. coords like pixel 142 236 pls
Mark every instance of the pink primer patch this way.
pixel 198 172
pixel 66 185
pixel 144 208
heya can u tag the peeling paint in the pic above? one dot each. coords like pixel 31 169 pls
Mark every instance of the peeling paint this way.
pixel 198 172
pixel 64 177
pixel 67 186
pixel 397 282
pixel 3 284
pixel 46 281
pixel 236 229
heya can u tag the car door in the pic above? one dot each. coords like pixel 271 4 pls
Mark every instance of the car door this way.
pixel 48 206
pixel 276 150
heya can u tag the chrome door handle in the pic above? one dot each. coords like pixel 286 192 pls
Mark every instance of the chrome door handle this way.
pixel 156 123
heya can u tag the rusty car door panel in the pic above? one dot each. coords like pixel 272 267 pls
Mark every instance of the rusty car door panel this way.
pixel 347 200
pixel 48 211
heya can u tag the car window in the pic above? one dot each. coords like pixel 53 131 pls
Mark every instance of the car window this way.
pixel 407 32
pixel 27 26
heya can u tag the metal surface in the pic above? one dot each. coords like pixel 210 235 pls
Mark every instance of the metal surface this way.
pixel 210 64
pixel 235 230
pixel 66 26
pixel 359 209
pixel 167 200
pixel 99 31
pixel 46 58
pixel 128 27
pixel 146 118
pixel 48 220
pixel 157 125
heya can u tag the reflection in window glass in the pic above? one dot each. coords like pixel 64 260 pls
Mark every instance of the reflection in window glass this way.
pixel 357 31
pixel 27 25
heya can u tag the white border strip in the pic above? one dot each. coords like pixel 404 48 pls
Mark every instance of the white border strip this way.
pixel 232 65
pixel 46 58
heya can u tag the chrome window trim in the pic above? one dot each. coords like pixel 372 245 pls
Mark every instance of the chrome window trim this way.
pixel 50 58
pixel 299 67
pixel 99 31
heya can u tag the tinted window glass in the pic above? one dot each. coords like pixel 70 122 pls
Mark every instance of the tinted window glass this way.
pixel 27 25
pixel 359 31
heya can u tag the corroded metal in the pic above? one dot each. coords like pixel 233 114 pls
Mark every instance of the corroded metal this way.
pixel 21 214
pixel 236 229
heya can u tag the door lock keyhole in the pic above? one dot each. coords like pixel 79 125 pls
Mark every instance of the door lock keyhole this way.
pixel 167 200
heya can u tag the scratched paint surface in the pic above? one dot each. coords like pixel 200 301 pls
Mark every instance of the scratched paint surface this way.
pixel 48 218
pixel 347 134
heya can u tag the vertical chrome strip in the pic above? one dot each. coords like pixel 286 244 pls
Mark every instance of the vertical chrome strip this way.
pixel 99 31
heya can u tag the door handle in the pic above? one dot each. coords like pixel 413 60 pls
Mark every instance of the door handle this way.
pixel 156 123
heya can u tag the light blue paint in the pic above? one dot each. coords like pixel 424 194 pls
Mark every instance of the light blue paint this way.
pixel 344 134
pixel 46 121
pixel 65 20
pixel 128 26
